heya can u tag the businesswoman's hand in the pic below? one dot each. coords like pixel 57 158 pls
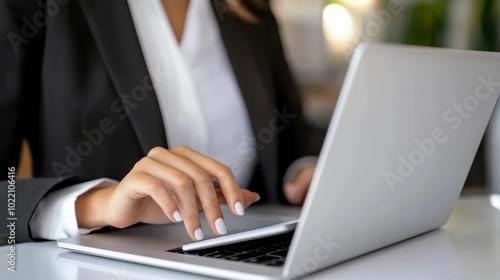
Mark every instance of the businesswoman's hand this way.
pixel 296 190
pixel 167 185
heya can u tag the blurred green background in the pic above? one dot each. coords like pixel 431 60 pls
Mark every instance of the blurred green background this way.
pixel 428 24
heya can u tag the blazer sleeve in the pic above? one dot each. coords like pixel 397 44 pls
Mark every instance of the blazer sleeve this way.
pixel 25 198
pixel 21 48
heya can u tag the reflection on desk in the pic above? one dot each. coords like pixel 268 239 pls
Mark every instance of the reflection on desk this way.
pixel 429 256
pixel 468 247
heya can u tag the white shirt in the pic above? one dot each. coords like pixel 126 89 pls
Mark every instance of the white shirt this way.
pixel 200 102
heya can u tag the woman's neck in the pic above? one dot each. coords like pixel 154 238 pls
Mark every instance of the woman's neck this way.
pixel 176 12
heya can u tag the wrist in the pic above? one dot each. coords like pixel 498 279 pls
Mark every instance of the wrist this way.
pixel 91 207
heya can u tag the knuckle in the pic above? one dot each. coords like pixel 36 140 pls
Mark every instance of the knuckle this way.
pixel 211 206
pixel 142 163
pixel 190 215
pixel 155 186
pixel 180 148
pixel 202 177
pixel 156 151
pixel 137 165
pixel 225 172
pixel 182 181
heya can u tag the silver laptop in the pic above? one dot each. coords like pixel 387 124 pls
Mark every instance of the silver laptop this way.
pixel 405 131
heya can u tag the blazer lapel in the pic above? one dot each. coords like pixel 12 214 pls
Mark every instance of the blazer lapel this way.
pixel 112 27
pixel 257 98
pixel 111 24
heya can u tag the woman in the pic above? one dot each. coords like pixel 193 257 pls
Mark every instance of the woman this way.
pixel 120 89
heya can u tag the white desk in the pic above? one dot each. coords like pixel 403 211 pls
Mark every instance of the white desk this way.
pixel 468 247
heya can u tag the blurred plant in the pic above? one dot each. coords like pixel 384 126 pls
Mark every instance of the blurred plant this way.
pixel 427 24
pixel 486 23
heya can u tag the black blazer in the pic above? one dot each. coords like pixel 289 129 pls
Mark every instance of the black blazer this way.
pixel 75 84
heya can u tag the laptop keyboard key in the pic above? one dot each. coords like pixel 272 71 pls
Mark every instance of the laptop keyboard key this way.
pixel 262 259
pixel 244 256
pixel 278 262
pixel 220 255
pixel 281 253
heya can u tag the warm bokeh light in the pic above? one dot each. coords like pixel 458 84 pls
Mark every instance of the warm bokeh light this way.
pixel 361 4
pixel 495 201
pixel 338 23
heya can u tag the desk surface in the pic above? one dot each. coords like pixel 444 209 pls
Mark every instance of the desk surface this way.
pixel 467 247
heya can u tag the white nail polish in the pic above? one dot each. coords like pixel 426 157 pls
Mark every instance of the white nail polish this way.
pixel 198 234
pixel 220 226
pixel 177 216
pixel 239 208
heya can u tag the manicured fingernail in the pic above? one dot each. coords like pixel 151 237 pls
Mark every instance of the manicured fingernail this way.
pixel 220 226
pixel 239 208
pixel 177 216
pixel 257 197
pixel 198 234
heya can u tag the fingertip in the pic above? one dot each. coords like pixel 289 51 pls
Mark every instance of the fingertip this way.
pixel 198 234
pixel 292 194
pixel 177 217
pixel 289 185
pixel 256 197
pixel 238 207
pixel 220 226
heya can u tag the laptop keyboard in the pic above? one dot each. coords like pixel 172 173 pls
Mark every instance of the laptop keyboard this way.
pixel 269 251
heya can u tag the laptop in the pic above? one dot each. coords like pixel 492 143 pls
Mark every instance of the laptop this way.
pixel 405 130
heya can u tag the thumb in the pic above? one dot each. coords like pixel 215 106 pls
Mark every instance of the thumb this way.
pixel 296 191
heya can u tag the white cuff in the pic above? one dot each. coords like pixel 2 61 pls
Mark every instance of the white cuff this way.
pixel 55 215
pixel 297 165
